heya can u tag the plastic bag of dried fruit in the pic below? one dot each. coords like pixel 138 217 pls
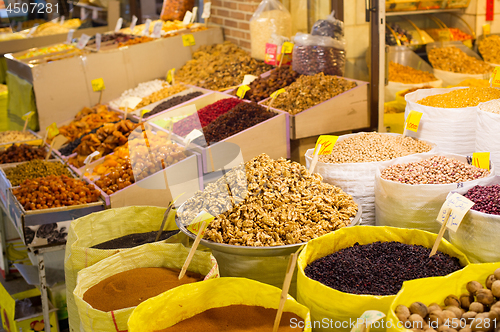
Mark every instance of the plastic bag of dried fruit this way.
pixel 314 54
pixel 435 290
pixel 167 255
pixel 269 17
pixel 318 297
pixel 175 9
pixel 329 27
pixel 100 227
pixel 414 206
pixel 185 301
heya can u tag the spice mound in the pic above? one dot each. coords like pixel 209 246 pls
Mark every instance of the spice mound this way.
pixel 268 202
pixel 308 91
pixel 239 318
pixel 389 265
pixel 405 74
pixel 486 198
pixel 436 170
pixel 370 147
pixel 130 288
pixel 15 136
pixel 489 48
pixel 468 97
pixel 455 60
pixel 23 152
pixel 134 240
pixel 35 169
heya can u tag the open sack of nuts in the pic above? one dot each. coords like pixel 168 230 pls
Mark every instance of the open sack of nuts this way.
pixel 479 233
pixel 355 159
pixel 410 191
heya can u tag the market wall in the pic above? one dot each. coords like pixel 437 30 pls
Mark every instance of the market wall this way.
pixel 475 15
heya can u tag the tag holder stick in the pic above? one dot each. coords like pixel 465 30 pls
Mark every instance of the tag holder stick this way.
pixel 441 233
pixel 201 232
pixel 282 56
pixel 315 159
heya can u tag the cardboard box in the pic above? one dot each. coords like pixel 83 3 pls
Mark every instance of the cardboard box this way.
pixel 14 321
pixel 57 296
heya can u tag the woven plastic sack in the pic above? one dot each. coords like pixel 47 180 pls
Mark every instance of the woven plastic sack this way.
pixel 435 290
pixel 100 227
pixel 175 9
pixel 450 78
pixel 328 303
pixel 149 255
pixel 487 131
pixel 356 179
pixel 453 130
pixel 413 206
pixel 392 88
pixel 479 233
pixel 189 300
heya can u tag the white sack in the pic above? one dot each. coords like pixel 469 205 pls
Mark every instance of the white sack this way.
pixel 488 133
pixel 451 78
pixel 394 87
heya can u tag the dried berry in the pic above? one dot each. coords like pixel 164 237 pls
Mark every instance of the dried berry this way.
pixel 486 199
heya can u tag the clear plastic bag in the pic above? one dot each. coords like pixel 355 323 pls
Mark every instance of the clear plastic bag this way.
pixel 270 17
pixel 314 54
pixel 329 27
pixel 175 9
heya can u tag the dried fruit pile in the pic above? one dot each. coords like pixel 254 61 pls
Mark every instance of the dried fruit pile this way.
pixel 455 60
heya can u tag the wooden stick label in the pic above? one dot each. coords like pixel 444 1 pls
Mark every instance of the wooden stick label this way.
pixel 495 78
pixel 170 76
pixel 52 130
pixel 327 142
pixel 194 227
pixel 242 90
pixel 287 48
pixel 98 84
pixel 413 120
pixel 481 160
pixel 459 206
pixel 188 40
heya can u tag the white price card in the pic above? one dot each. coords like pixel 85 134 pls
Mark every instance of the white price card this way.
pixel 157 30
pixel 90 157
pixel 459 206
pixel 19 26
pixel 247 79
pixel 133 23
pixel 82 42
pixel 206 10
pixel 119 24
pixel 98 41
pixel 187 18
pixel 55 20
pixel 130 102
pixel 32 30
pixel 194 134
pixel 195 12
pixel 69 38
pixel 95 14
pixel 61 22
pixel 83 14
pixel 145 32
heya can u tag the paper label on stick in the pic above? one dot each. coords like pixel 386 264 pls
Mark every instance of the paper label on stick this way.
pixel 52 131
pixel 98 84
pixel 157 30
pixel 32 30
pixel 444 35
pixel 170 75
pixel 83 13
pixel 69 38
pixel 58 141
pixel 187 18
pixel 133 23
pixel 194 134
pixel 486 29
pixel 90 157
pixel 130 102
pixel 98 41
pixel 327 142
pixel 276 93
pixel 82 42
pixel 481 160
pixel 287 47
pixel 195 12
pixel 413 120
pixel 495 77
pixel 27 115
pixel 194 227
pixel 61 22
pixel 145 32
pixel 242 90
pixel 119 24
pixel 188 40
pixel 144 112
pixel 459 206
pixel 207 6
pixel 247 79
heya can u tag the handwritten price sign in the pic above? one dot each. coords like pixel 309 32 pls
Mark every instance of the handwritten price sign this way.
pixel 327 142
pixel 413 121
pixel 194 227
pixel 459 206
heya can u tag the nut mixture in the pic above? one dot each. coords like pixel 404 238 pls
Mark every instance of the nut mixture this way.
pixel 268 202
pixel 15 136
pixel 489 48
pixel 308 91
pixel 468 97
pixel 220 66
pixel 455 60
pixel 406 74
pixel 435 170
pixel 34 169
pixel 370 147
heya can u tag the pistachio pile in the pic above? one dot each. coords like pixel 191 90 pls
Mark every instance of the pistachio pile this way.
pixel 455 60
pixel 34 169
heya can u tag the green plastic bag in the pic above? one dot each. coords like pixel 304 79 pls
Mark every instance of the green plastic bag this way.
pixel 330 307
pixel 186 301
pixel 148 255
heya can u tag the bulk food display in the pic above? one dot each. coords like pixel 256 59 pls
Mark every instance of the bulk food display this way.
pixel 22 152
pixel 489 47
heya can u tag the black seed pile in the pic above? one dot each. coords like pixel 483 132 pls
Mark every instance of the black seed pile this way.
pixel 134 240
pixel 379 268
pixel 172 102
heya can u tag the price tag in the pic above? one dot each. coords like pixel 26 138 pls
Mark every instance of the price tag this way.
pixel 486 29
pixel 98 84
pixel 242 90
pixel 195 225
pixel 58 141
pixel 131 102
pixel 91 156
pixel 83 14
pixel 188 40
pixel 287 47
pixel 82 42
pixel 157 30
pixel 98 41
pixel 52 130
pixel 20 25
pixel 54 20
pixel 69 38
pixel 95 14
pixel 276 93
pixel 145 32
pixel 170 76
pixel 195 12
pixel 327 142
pixel 187 18
pixel 133 23
pixel 144 112
pixel 28 115
pixel 32 30
pixel 247 79
pixel 194 134
pixel 119 24
pixel 459 206
pixel 207 6
pixel 62 20
pixel 495 77
pixel 481 160
pixel 413 120
pixel 444 35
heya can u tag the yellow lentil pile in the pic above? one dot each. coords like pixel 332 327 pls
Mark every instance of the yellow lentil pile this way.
pixel 489 48
pixel 455 60
pixel 459 98
pixel 405 74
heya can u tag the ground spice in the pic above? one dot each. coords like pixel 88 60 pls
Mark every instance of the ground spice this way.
pixel 389 264
pixel 241 318
pixel 35 169
pixel 134 240
pixel 130 288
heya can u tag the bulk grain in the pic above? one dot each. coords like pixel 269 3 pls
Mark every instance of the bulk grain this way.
pixel 454 60
pixel 405 74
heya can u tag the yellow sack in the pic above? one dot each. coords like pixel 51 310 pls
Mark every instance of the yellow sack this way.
pixel 100 227
pixel 148 255
pixel 186 301
pixel 436 289
pixel 342 308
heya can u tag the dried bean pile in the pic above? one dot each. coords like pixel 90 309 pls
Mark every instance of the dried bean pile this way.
pixel 23 152
pixel 34 169
pixel 370 147
pixel 174 101
pixel 457 61
pixel 405 74
pixel 308 91
pixel 486 198
pixel 270 203
pixel 436 170
pixel 241 117
pixel 459 98
pixel 204 116
pixel 262 87
pixel 379 268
